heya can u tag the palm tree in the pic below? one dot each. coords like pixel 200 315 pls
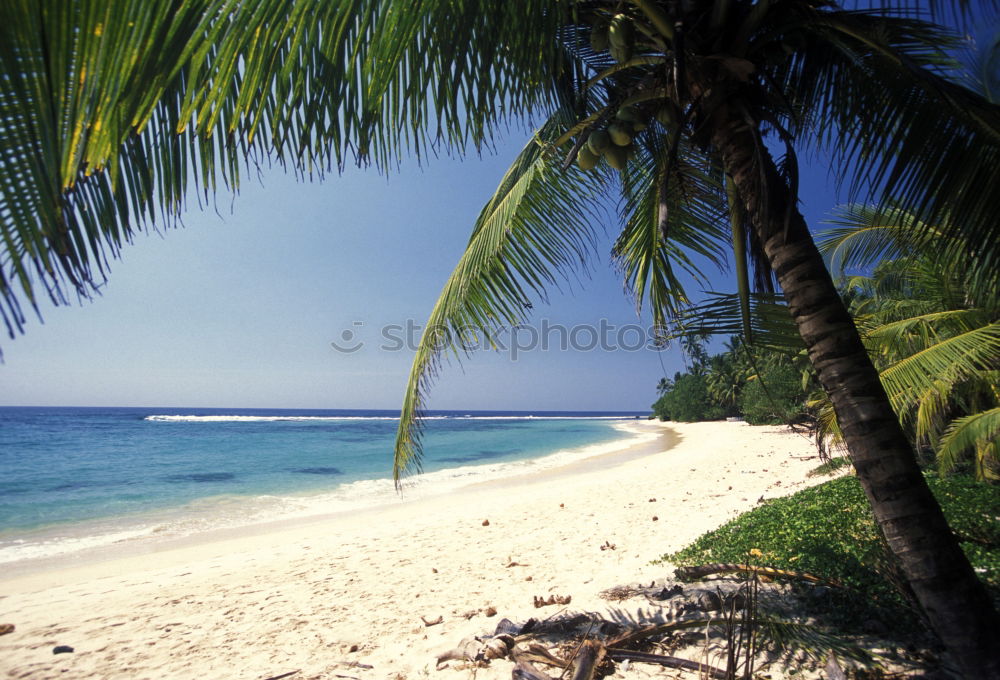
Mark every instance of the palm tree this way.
pixel 707 83
pixel 932 325
pixel 663 385
pixel 111 109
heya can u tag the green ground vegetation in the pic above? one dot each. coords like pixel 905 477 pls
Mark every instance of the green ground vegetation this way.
pixel 828 530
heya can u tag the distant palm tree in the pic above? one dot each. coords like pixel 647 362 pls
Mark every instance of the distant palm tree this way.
pixel 110 109
pixel 663 385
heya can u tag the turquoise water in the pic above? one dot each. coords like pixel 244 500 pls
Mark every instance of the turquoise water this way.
pixel 84 477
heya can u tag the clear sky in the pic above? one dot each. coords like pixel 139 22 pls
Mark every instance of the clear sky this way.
pixel 239 308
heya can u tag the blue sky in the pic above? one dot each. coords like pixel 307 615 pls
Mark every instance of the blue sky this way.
pixel 239 308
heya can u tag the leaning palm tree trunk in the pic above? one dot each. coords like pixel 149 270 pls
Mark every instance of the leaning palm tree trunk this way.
pixel 907 513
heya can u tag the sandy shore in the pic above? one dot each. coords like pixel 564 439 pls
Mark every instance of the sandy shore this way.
pixel 318 596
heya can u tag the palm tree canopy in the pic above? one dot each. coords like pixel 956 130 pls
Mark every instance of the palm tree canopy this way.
pixel 857 85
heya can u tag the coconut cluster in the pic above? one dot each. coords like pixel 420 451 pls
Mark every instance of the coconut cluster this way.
pixel 613 143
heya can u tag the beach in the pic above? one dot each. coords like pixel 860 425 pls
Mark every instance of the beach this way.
pixel 346 595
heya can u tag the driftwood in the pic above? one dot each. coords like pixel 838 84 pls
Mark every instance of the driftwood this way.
pixel 668 661
pixel 523 667
pixel 283 675
pixel 590 656
pixel 700 571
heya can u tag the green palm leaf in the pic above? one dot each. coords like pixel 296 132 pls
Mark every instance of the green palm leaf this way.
pixel 111 108
pixel 536 228
pixel 772 325
pixel 979 432
pixel 893 84
pixel 864 236
pixel 654 240
pixel 925 329
pixel 951 360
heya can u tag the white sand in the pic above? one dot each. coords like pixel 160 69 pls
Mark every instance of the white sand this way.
pixel 300 598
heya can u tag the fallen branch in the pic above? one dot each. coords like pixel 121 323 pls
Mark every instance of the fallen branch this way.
pixel 649 631
pixel 693 573
pixel 283 675
pixel 668 661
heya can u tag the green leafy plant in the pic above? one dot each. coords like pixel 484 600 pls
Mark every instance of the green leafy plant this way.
pixel 828 530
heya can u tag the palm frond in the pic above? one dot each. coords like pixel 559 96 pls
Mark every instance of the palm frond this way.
pixel 979 433
pixel 932 408
pixel 887 79
pixel 656 238
pixel 865 235
pixel 950 360
pixel 801 638
pixel 111 108
pixel 536 229
pixel 925 329
pixel 722 314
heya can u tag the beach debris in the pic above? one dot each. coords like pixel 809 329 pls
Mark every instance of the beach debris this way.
pixel 432 622
pixel 652 500
pixel 527 578
pixel 284 675
pixel 700 571
pixel 512 563
pixel 507 627
pixel 490 611
pixel 578 646
pixel 618 593
pixel 486 522
pixel 655 518
pixel 62 649
pixel 608 545
pixel 479 649
pixel 356 664
pixel 668 662
pixel 433 570
pixel 833 669
pixel 552 599
pixel 709 601
pixel 666 594
pixel 6 628
pixel 588 658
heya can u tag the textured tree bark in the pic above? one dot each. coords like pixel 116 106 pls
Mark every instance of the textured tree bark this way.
pixel 952 597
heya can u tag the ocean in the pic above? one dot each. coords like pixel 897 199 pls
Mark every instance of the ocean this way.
pixel 85 479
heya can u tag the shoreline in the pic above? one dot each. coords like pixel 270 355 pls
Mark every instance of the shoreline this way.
pixel 318 595
pixel 148 533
